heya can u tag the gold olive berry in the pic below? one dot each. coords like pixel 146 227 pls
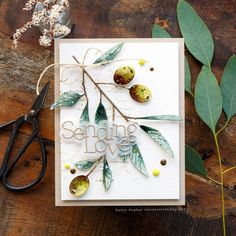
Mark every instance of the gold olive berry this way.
pixel 140 93
pixel 124 75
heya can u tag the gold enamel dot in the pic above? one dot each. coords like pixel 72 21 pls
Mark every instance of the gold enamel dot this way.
pixel 156 172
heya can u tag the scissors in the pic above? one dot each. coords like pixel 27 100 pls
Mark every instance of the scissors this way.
pixel 30 118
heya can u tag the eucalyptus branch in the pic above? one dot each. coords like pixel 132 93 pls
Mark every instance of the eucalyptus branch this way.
pixel 225 125
pixel 222 182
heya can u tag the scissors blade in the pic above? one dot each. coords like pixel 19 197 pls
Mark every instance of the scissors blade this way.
pixel 38 103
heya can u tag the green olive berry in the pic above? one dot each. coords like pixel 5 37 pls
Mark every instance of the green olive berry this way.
pixel 140 93
pixel 124 75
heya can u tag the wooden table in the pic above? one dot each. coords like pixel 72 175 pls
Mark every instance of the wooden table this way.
pixel 33 212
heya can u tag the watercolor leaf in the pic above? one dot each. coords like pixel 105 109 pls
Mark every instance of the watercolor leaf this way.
pixel 67 99
pixel 228 88
pixel 107 175
pixel 84 164
pixel 137 160
pixel 84 118
pixel 124 157
pixel 208 98
pixel 101 113
pixel 187 76
pixel 110 54
pixel 159 32
pixel 193 162
pixel 159 138
pixel 161 117
pixel 198 38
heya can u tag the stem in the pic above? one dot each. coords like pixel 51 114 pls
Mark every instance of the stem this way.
pixel 227 170
pixel 115 85
pixel 95 166
pixel 222 183
pixel 213 180
pixel 101 91
pixel 225 125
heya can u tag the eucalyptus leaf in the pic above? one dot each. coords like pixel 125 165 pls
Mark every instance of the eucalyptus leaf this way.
pixel 137 160
pixel 159 138
pixel 228 88
pixel 101 113
pixel 208 98
pixel 193 162
pixel 67 99
pixel 84 118
pixel 198 38
pixel 110 54
pixel 161 117
pixel 187 83
pixel 107 175
pixel 84 164
pixel 159 32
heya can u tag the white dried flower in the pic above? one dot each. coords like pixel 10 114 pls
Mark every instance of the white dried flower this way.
pixel 45 40
pixel 60 30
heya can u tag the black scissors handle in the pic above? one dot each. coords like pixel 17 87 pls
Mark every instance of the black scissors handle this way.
pixel 8 167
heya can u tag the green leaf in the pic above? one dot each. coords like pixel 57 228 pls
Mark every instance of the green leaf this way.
pixel 137 160
pixel 208 98
pixel 84 164
pixel 193 162
pixel 187 76
pixel 124 157
pixel 110 54
pixel 159 32
pixel 107 175
pixel 84 118
pixel 67 99
pixel 161 117
pixel 100 113
pixel 159 138
pixel 228 88
pixel 197 36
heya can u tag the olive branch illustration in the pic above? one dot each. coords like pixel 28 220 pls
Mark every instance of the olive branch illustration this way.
pixel 138 92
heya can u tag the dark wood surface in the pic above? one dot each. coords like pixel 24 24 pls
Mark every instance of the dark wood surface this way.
pixel 33 212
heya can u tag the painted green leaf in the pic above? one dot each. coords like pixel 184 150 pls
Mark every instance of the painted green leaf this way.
pixel 161 117
pixel 110 54
pixel 84 164
pixel 187 83
pixel 84 118
pixel 193 162
pixel 67 99
pixel 137 160
pixel 107 175
pixel 159 138
pixel 197 36
pixel 208 98
pixel 228 88
pixel 101 113
pixel 124 157
pixel 159 32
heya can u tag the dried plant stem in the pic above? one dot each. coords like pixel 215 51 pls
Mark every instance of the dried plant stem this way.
pixel 102 92
pixel 213 180
pixel 222 182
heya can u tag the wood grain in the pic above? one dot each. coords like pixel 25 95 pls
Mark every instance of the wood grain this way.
pixel 33 212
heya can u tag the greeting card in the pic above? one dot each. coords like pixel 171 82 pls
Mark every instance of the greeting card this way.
pixel 119 122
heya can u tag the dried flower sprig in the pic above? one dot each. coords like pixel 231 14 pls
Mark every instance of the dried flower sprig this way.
pixel 48 16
